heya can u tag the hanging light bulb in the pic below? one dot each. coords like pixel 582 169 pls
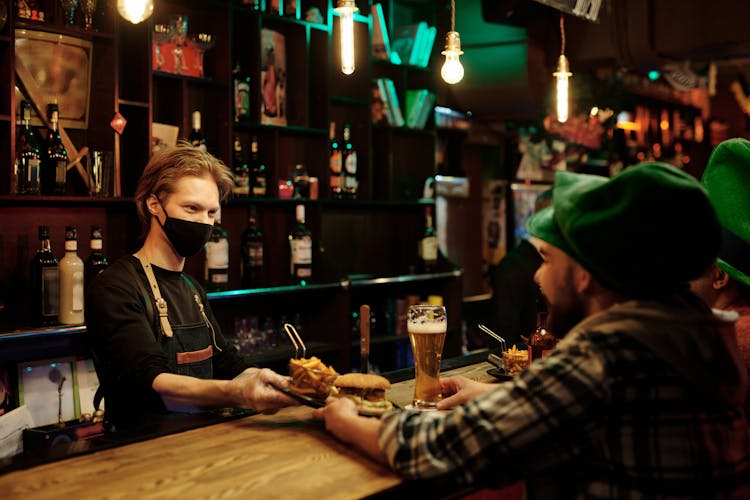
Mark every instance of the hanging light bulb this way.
pixel 452 70
pixel 346 10
pixel 135 11
pixel 561 76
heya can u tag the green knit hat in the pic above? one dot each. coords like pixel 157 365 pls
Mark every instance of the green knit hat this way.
pixel 727 180
pixel 645 232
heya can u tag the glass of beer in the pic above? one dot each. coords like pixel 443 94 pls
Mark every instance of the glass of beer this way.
pixel 427 325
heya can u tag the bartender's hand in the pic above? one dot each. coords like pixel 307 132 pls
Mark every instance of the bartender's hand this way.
pixel 343 421
pixel 253 390
pixel 459 390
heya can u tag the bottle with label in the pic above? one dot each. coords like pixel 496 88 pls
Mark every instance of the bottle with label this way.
pixel 300 242
pixel 349 159
pixel 258 174
pixel 96 261
pixel 301 182
pixel 196 137
pixel 28 156
pixel 71 281
pixel 45 282
pixel 55 165
pixel 541 342
pixel 241 84
pixel 217 260
pixel 241 170
pixel 252 253
pixel 428 244
pixel 335 164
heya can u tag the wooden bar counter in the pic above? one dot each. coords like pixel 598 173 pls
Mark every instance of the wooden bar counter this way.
pixel 285 455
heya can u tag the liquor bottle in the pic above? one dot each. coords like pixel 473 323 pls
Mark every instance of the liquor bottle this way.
pixel 334 163
pixel 96 261
pixel 196 137
pixel 301 182
pixel 241 84
pixel 55 164
pixel 252 253
pixel 45 282
pixel 217 260
pixel 28 157
pixel 257 171
pixel 428 244
pixel 241 170
pixel 300 242
pixel 349 158
pixel 71 281
pixel 541 342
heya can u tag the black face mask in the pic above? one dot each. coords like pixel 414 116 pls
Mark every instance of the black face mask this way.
pixel 187 237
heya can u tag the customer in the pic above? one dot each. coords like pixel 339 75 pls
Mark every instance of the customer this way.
pixel 516 299
pixel 726 283
pixel 152 359
pixel 643 396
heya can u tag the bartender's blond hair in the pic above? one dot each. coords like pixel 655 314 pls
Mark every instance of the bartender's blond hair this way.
pixel 169 165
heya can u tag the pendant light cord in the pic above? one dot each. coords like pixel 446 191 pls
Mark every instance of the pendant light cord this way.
pixel 562 34
pixel 453 15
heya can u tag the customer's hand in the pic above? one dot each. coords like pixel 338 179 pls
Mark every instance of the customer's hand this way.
pixel 253 388
pixel 459 390
pixel 338 414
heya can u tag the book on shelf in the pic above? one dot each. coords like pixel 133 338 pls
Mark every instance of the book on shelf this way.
pixel 392 97
pixel 273 78
pixel 426 46
pixel 380 113
pixel 412 44
pixel 405 41
pixel 419 103
pixel 428 106
pixel 381 47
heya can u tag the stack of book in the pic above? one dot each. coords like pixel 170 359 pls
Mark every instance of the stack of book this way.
pixel 385 105
pixel 412 44
pixel 419 105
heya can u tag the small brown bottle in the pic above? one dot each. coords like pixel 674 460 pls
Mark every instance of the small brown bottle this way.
pixel 541 342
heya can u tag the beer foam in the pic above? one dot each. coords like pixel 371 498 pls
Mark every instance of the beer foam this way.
pixel 434 327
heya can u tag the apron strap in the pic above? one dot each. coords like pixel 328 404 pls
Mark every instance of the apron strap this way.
pixel 161 304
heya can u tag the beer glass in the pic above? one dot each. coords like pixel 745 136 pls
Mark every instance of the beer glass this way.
pixel 426 326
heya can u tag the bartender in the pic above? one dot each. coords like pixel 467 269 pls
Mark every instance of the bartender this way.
pixel 156 344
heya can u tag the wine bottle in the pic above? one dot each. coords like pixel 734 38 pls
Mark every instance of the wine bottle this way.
pixel 252 253
pixel 257 171
pixel 45 282
pixel 217 260
pixel 349 157
pixel 241 170
pixel 334 163
pixel 28 156
pixel 55 166
pixel 96 261
pixel 71 281
pixel 428 244
pixel 300 242
pixel 196 137
pixel 241 84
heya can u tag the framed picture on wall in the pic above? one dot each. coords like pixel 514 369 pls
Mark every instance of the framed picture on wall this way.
pixel 524 201
pixel 59 69
pixel 47 388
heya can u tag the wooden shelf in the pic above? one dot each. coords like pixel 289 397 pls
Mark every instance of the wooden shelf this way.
pixel 291 129
pixel 360 282
pixel 65 201
pixel 274 290
pixel 135 104
pixel 63 30
pixel 192 79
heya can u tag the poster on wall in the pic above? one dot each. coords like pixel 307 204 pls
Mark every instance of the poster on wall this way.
pixel 273 78
pixel 524 201
pixel 47 389
pixel 494 214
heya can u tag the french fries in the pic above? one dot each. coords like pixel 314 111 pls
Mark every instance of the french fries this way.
pixel 311 376
pixel 515 360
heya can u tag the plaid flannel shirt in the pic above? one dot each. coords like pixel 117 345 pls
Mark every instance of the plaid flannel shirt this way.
pixel 603 416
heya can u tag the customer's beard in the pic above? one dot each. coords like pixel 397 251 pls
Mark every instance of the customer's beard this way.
pixel 564 316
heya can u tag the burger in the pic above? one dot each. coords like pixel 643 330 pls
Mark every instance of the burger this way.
pixel 366 390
